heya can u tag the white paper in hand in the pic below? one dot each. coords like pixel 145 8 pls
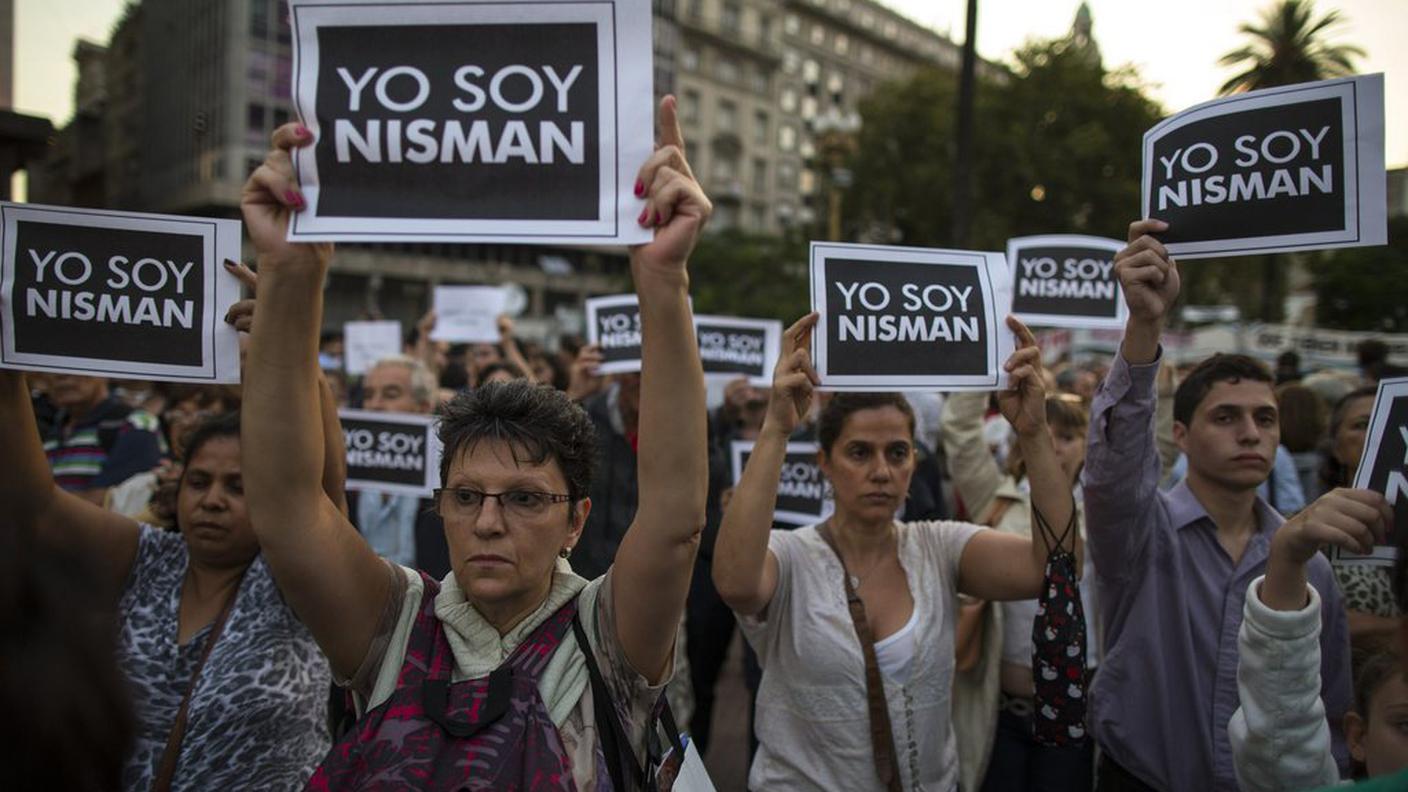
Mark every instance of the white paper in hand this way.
pixel 468 314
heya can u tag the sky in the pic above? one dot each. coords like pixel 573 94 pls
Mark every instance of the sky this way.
pixel 1174 45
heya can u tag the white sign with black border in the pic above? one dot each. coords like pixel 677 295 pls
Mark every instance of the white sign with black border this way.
pixel 731 347
pixel 391 452
pixel 613 324
pixel 1300 167
pixel 513 121
pixel 118 294
pixel 1066 280
pixel 468 314
pixel 802 497
pixel 1384 468
pixel 369 341
pixel 909 319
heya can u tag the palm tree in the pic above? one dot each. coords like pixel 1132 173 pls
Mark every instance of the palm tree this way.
pixel 1286 47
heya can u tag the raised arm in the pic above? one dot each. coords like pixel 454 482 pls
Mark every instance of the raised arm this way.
pixel 509 344
pixel 33 505
pixel 328 574
pixel 975 473
pixel 1122 464
pixel 744 569
pixel 656 557
pixel 1002 566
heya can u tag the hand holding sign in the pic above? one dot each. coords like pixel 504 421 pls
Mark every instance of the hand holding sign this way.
pixel 1023 404
pixel 675 204
pixel 1353 520
pixel 794 379
pixel 1150 282
pixel 241 314
pixel 271 196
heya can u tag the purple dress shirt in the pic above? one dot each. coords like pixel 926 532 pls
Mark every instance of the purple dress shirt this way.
pixel 1171 605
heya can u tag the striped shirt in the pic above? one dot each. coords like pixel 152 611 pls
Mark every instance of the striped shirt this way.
pixel 110 444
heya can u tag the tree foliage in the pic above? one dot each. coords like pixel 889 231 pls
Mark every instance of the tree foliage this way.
pixel 739 274
pixel 1057 150
pixel 1288 46
pixel 1364 288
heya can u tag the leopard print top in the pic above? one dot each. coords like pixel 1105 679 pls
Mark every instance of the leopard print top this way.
pixel 258 717
pixel 1367 589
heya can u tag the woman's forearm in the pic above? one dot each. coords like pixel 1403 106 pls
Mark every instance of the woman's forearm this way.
pixel 740 552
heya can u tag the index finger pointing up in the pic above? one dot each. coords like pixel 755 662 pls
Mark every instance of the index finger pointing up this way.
pixel 1025 338
pixel 798 336
pixel 670 132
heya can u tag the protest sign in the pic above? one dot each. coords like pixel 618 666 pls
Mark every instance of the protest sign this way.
pixel 514 121
pixel 1299 167
pixel 1384 468
pixel 802 498
pixel 613 323
pixel 391 452
pixel 367 342
pixel 895 318
pixel 730 347
pixel 117 294
pixel 1066 280
pixel 468 314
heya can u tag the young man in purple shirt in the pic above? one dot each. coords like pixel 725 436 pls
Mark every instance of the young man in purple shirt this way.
pixel 1174 567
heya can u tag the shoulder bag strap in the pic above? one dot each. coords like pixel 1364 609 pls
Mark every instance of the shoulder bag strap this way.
pixel 166 771
pixel 615 744
pixel 882 739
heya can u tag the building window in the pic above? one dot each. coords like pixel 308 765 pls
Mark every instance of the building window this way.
pixel 809 107
pixel 818 35
pixel 689 106
pixel 256 121
pixel 760 176
pixel 791 61
pixel 689 59
pixel 731 20
pixel 787 137
pixel 808 183
pixel 258 19
pixel 725 169
pixel 758 80
pixel 728 116
pixel 764 27
pixel 758 217
pixel 811 71
pixel 727 71
pixel 835 83
pixel 791 25
pixel 786 177
pixel 788 100
pixel 843 44
pixel 760 128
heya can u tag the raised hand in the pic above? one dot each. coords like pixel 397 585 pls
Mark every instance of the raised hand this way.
pixel 793 379
pixel 1023 404
pixel 241 314
pixel 272 194
pixel 1352 519
pixel 1147 274
pixel 583 380
pixel 675 204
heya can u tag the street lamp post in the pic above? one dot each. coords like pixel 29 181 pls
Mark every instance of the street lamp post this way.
pixel 835 136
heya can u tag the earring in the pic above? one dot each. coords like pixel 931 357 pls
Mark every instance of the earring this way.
pixel 564 552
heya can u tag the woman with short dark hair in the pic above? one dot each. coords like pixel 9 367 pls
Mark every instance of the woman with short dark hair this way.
pixel 853 619
pixel 511 672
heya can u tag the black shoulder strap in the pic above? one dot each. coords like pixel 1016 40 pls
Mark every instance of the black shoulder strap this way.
pixel 614 742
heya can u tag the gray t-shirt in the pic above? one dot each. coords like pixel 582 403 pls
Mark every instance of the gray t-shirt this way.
pixel 258 716
pixel 812 718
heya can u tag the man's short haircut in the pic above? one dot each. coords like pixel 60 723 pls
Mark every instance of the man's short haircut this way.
pixel 539 423
pixel 422 381
pixel 1218 368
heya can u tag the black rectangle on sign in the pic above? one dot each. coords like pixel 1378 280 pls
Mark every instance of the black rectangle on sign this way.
pixel 618 333
pixel 1065 281
pixel 733 350
pixel 1275 170
pixel 108 293
pixel 388 452
pixel 521 144
pixel 1390 467
pixel 905 318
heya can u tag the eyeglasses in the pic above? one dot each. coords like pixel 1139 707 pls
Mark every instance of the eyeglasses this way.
pixel 465 503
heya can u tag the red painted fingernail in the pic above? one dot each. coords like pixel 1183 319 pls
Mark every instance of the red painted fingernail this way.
pixel 643 214
pixel 294 199
pixel 656 219
pixel 640 188
pixel 301 131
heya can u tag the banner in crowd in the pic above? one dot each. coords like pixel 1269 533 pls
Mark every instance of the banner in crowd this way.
pixel 1384 467
pixel 802 498
pixel 468 314
pixel 118 294
pixel 731 347
pixel 1299 167
pixel 511 122
pixel 391 452
pixel 1318 346
pixel 1066 280
pixel 364 343
pixel 895 318
pixel 613 323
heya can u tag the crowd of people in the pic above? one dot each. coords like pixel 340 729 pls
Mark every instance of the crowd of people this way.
pixel 1103 576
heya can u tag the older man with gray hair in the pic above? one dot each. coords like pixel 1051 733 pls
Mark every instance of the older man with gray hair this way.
pixel 403 528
